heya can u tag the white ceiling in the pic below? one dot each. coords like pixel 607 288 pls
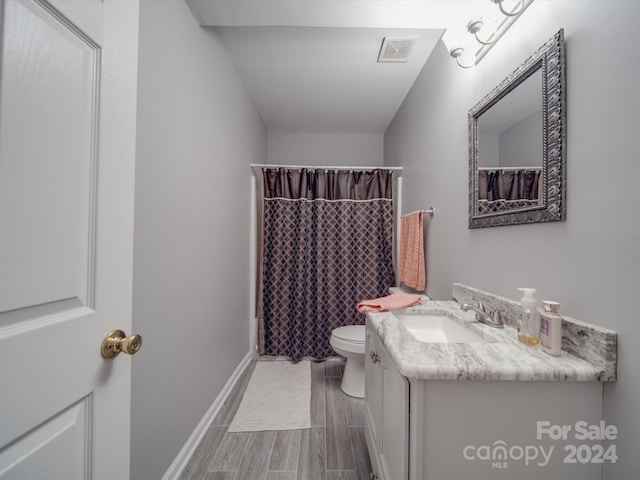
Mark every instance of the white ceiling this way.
pixel 311 65
pixel 304 79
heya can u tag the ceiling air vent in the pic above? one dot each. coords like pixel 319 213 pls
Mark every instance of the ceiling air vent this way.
pixel 396 49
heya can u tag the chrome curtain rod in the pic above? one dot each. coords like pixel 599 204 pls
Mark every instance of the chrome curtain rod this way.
pixel 327 167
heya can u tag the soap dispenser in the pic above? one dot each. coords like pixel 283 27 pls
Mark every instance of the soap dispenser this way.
pixel 550 328
pixel 528 320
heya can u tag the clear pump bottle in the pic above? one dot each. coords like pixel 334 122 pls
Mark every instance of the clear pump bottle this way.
pixel 528 321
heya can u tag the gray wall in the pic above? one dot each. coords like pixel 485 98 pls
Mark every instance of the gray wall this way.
pixel 340 149
pixel 197 135
pixel 591 262
pixel 520 145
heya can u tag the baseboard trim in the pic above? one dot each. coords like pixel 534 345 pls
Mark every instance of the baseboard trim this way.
pixel 180 462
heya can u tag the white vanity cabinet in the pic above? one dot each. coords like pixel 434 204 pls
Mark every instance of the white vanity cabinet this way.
pixel 386 412
pixel 503 430
pixel 431 429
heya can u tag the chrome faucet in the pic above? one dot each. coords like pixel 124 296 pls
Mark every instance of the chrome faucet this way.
pixel 494 320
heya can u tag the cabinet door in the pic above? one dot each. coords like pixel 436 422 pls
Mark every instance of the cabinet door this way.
pixel 372 398
pixel 373 387
pixel 394 413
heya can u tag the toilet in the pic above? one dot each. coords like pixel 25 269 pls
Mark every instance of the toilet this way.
pixel 349 342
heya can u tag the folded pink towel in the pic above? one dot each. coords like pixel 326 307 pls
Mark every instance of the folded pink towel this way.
pixel 390 302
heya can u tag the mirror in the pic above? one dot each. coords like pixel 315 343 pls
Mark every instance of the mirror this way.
pixel 517 167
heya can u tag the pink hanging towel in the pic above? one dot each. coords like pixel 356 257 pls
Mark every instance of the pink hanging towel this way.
pixel 412 266
pixel 390 302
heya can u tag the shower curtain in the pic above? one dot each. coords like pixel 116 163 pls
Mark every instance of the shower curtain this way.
pixel 501 190
pixel 327 244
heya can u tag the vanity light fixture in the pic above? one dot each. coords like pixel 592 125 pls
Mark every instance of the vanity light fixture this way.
pixel 517 10
pixel 483 32
pixel 475 26
pixel 457 53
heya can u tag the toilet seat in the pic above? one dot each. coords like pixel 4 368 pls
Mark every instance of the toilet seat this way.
pixel 350 333
pixel 350 338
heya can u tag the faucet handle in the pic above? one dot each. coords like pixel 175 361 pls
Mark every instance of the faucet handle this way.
pixel 480 305
pixel 497 316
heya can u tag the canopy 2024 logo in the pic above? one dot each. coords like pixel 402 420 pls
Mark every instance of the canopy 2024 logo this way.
pixel 499 453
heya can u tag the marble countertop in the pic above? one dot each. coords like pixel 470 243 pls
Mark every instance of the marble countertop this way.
pixel 502 357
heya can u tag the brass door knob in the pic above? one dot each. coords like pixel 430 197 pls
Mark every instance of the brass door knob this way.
pixel 116 342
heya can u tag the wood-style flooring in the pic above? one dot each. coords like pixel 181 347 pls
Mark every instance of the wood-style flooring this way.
pixel 334 448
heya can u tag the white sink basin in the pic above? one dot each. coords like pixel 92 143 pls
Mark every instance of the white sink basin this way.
pixel 437 328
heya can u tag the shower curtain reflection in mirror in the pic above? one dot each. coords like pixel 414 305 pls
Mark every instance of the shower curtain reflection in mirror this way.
pixel 508 189
pixel 327 243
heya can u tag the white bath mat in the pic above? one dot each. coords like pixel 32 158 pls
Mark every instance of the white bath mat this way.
pixel 278 397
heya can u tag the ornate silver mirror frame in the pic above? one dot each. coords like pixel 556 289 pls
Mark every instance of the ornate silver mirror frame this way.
pixel 550 59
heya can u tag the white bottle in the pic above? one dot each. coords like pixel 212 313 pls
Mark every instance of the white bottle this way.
pixel 551 328
pixel 528 321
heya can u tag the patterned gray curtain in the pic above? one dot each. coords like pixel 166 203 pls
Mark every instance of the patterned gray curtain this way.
pixel 327 245
pixel 504 190
pixel 508 184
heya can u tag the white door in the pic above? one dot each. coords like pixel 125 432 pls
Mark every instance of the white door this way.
pixel 67 149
